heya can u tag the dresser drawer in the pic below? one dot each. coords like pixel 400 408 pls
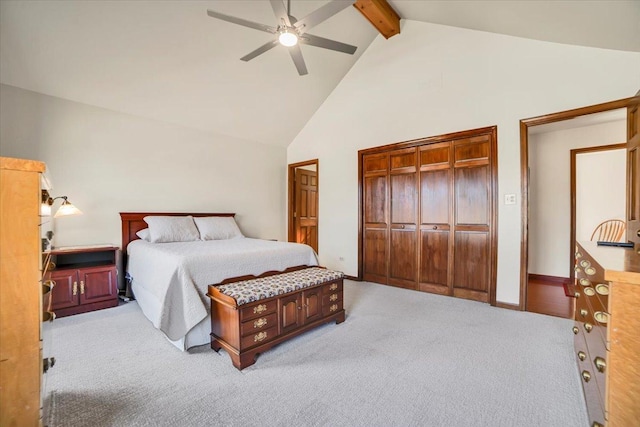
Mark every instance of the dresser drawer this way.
pixel 257 338
pixel 258 310
pixel 332 287
pixel 328 299
pixel 258 324
pixel 331 308
pixel 592 396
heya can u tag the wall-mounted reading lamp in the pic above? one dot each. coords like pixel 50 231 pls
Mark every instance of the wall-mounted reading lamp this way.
pixel 67 208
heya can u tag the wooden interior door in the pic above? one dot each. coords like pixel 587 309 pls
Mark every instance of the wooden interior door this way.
pixel 435 213
pixel 403 203
pixel 306 210
pixel 473 213
pixel 375 169
pixel 633 172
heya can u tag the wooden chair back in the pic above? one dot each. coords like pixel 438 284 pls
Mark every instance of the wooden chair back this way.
pixel 611 230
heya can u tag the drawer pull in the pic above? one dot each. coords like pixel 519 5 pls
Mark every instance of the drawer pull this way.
pixel 260 323
pixel 334 307
pixel 585 282
pixel 588 327
pixel 75 288
pixel 575 330
pixel 585 264
pixel 602 289
pixel 601 317
pixel 333 287
pixel 577 295
pixel 260 337
pixel 82 287
pixel 586 376
pixel 600 363
pixel 589 292
pixel 333 297
pixel 577 269
pixel 582 355
pixel 596 424
pixel 583 312
pixel 590 271
pixel 578 255
pixel 259 308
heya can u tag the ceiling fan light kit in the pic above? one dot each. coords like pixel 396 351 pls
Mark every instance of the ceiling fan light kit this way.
pixel 291 32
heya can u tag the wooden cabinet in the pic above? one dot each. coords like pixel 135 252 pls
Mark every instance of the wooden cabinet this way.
pixel 20 293
pixel 85 279
pixel 246 330
pixel 429 214
pixel 607 342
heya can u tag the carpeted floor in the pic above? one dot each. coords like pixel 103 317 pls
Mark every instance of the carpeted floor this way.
pixel 402 358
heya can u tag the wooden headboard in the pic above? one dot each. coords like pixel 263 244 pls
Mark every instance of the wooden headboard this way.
pixel 132 222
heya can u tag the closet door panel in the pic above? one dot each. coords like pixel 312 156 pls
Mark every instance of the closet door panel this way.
pixel 403 199
pixel 402 268
pixel 472 195
pixel 375 255
pixel 434 261
pixel 375 190
pixel 435 196
pixel 471 265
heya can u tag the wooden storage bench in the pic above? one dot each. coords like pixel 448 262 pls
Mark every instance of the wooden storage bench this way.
pixel 251 314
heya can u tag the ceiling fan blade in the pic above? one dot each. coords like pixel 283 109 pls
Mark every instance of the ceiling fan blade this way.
pixel 327 44
pixel 240 21
pixel 296 55
pixel 280 11
pixel 259 51
pixel 320 15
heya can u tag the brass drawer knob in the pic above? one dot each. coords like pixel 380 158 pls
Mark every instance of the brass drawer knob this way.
pixel 259 308
pixel 601 317
pixel 590 271
pixel 600 363
pixel 586 376
pixel 575 330
pixel 588 327
pixel 582 355
pixel 589 292
pixel 260 323
pixel 577 295
pixel 585 282
pixel 583 312
pixel 602 289
pixel 578 255
pixel 584 263
pixel 260 337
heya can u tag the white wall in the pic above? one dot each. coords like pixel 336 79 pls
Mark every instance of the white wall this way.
pixel 432 80
pixel 550 191
pixel 599 196
pixel 108 162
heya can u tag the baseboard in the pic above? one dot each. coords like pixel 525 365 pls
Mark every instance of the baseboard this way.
pixel 508 305
pixel 354 278
pixel 552 280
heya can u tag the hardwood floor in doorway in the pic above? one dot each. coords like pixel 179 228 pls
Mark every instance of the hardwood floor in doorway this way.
pixel 546 296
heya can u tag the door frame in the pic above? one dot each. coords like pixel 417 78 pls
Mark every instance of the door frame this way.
pixel 493 203
pixel 574 154
pixel 525 124
pixel 291 178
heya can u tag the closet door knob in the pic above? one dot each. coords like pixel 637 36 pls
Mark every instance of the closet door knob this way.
pixel 435 227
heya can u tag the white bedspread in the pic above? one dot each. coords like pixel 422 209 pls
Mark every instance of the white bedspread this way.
pixel 177 274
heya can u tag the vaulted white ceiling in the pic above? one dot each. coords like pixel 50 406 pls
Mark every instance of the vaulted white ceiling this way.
pixel 167 60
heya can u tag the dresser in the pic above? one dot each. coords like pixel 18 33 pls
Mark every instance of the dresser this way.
pixel 21 291
pixel 607 332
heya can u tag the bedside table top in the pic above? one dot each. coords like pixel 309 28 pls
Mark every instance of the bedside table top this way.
pixel 82 248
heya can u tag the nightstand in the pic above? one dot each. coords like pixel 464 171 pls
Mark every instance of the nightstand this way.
pixel 85 277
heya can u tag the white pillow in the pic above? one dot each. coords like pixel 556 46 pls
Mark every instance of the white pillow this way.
pixel 217 227
pixel 144 234
pixel 164 229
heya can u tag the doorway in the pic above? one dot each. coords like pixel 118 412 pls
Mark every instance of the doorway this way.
pixel 526 126
pixel 303 203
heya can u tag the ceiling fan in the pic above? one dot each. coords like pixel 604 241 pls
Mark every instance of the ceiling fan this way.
pixel 290 31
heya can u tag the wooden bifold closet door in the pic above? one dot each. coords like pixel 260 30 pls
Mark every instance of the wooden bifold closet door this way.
pixel 428 214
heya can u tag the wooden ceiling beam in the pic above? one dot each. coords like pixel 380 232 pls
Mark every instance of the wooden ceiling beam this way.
pixel 381 15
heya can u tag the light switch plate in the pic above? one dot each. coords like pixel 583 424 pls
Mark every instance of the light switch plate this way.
pixel 509 199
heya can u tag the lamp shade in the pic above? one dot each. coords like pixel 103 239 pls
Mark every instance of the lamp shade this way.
pixel 66 209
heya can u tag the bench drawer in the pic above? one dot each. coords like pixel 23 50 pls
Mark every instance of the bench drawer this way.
pixel 258 324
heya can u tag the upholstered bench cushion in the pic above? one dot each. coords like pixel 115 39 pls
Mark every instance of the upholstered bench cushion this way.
pixel 248 291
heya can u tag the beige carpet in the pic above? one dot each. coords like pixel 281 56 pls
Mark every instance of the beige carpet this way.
pixel 402 358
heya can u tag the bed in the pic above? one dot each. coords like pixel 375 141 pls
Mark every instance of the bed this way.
pixel 169 280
